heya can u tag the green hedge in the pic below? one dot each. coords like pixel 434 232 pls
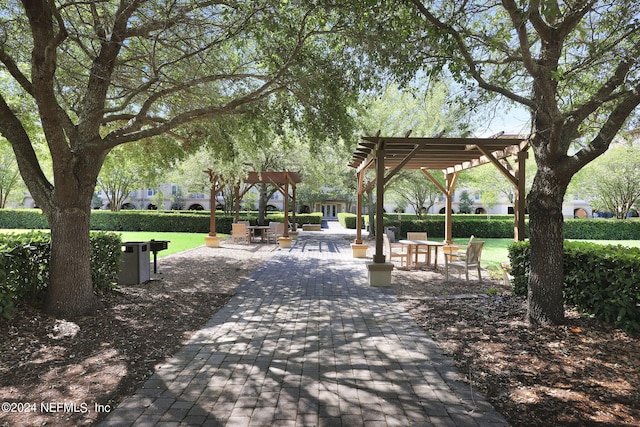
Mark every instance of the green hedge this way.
pixel 600 280
pixel 602 229
pixel 348 220
pixel 24 266
pixel 499 226
pixel 310 218
pixel 137 220
pixel 32 219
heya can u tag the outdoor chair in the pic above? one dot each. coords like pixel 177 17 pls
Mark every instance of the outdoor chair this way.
pixel 420 249
pixel 276 230
pixel 396 250
pixel 240 232
pixel 466 261
pixel 250 232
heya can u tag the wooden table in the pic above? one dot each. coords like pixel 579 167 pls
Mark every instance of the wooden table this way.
pixel 262 229
pixel 413 249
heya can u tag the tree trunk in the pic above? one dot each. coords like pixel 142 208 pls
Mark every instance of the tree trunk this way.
pixel 546 279
pixel 70 293
pixel 262 204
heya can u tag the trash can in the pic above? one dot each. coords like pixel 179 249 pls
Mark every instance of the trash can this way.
pixel 135 263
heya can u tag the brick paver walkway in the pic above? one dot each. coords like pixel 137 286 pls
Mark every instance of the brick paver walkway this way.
pixel 306 342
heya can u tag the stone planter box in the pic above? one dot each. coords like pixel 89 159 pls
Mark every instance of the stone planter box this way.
pixel 212 241
pixel 359 250
pixel 284 242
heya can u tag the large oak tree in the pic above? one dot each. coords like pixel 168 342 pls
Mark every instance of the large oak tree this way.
pixel 105 73
pixel 573 64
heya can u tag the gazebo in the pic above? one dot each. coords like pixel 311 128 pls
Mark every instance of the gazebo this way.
pixel 285 183
pixel 388 155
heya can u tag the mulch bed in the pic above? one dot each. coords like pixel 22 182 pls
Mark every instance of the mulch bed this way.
pixel 581 373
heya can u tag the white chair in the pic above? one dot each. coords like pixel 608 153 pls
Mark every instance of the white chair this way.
pixel 470 259
pixel 240 232
pixel 396 250
pixel 420 249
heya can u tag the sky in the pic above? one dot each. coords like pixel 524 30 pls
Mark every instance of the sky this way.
pixel 515 121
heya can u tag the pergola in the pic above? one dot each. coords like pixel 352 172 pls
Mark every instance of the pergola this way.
pixel 388 155
pixel 284 182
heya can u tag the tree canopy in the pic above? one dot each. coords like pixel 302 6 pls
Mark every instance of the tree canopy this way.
pixel 102 74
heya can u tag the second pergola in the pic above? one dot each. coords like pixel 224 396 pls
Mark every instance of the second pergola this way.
pixel 388 155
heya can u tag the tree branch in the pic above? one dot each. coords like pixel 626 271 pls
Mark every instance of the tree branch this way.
pixel 471 63
pixel 608 131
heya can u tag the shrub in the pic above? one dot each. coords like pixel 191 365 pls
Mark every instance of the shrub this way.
pixel 106 251
pixel 600 280
pixel 25 266
pixel 32 219
pixel 601 229
pixel 310 218
pixel 499 226
pixel 348 220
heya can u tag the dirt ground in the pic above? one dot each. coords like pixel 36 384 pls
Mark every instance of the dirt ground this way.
pixel 61 373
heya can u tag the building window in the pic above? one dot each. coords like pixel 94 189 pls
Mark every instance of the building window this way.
pixel 151 192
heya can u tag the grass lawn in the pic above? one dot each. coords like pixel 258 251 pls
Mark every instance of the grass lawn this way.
pixel 495 250
pixel 493 253
pixel 178 241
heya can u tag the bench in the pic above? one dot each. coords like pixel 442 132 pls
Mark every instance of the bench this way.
pixel 311 227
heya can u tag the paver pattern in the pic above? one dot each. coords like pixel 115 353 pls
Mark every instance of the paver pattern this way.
pixel 306 341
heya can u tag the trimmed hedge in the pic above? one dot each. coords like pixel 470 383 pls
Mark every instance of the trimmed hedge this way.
pixel 600 280
pixel 498 226
pixel 501 226
pixel 24 266
pixel 31 219
pixel 136 220
pixel 310 218
pixel 602 229
pixel 348 220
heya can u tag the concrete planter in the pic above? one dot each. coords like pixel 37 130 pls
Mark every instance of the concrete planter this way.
pixel 293 235
pixel 359 250
pixel 380 274
pixel 212 241
pixel 285 242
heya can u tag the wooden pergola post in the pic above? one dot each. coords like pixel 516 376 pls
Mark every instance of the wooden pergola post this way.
pixel 358 248
pixel 359 190
pixel 236 196
pixel 379 225
pixel 294 224
pixel 286 208
pixel 520 198
pixel 451 181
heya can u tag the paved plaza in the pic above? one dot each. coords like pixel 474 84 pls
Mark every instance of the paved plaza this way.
pixel 306 342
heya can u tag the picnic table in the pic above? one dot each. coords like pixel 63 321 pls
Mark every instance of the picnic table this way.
pixel 412 246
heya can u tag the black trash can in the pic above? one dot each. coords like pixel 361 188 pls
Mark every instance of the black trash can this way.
pixel 135 263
